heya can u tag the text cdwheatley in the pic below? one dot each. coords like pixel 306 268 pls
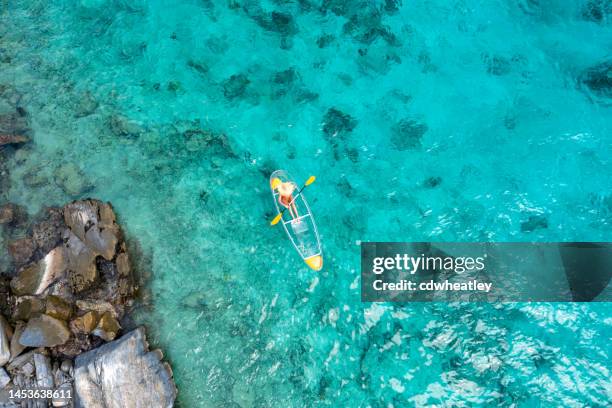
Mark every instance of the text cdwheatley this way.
pixel 472 285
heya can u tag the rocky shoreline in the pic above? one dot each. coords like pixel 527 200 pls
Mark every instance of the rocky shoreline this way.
pixel 63 313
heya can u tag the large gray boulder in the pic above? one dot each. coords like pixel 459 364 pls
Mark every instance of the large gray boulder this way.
pixel 123 373
pixel 94 223
pixel 45 331
pixel 5 347
pixel 35 278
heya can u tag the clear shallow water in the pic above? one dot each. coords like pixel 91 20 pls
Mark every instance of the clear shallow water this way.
pixel 464 119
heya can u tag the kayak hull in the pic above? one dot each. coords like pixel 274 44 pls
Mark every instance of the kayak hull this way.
pixel 302 229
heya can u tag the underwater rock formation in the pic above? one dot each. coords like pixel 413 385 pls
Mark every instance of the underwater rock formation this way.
pixel 87 105
pixel 235 86
pixel 534 222
pixel 71 179
pixel 407 134
pixel 497 65
pixel 11 214
pixel 22 250
pixel 121 126
pixel 123 373
pixel 599 79
pixel 598 11
pixel 12 139
pixel 432 182
pixel 14 127
pixel 337 123
pixel 365 20
pixel 283 81
pixel 325 40
pixel 289 82
pixel 278 22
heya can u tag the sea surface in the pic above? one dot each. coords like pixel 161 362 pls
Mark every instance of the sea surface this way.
pixel 457 120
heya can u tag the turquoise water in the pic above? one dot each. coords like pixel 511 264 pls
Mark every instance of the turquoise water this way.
pixel 427 120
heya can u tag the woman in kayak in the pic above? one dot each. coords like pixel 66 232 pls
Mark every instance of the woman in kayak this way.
pixel 285 197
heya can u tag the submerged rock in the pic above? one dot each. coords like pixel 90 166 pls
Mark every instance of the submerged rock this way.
pixel 432 182
pixel 283 81
pixel 22 250
pixel 534 222
pixel 35 177
pixel 599 79
pixel 325 40
pixel 144 380
pixel 497 65
pixel 12 214
pixel 337 123
pixel 599 11
pixel 235 86
pixel 200 67
pixel 407 134
pixel 12 139
pixel 365 25
pixel 7 214
pixel 71 179
pixel 121 126
pixel 14 125
pixel 86 106
pixel 281 23
pixel 45 331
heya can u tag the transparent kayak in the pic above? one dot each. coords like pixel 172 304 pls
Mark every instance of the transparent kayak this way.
pixel 302 230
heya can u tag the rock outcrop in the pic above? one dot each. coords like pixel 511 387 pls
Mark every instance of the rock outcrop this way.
pixel 123 373
pixel 83 267
pixel 69 289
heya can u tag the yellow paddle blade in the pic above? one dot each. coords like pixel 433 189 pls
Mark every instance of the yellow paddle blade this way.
pixel 276 219
pixel 310 180
pixel 275 183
